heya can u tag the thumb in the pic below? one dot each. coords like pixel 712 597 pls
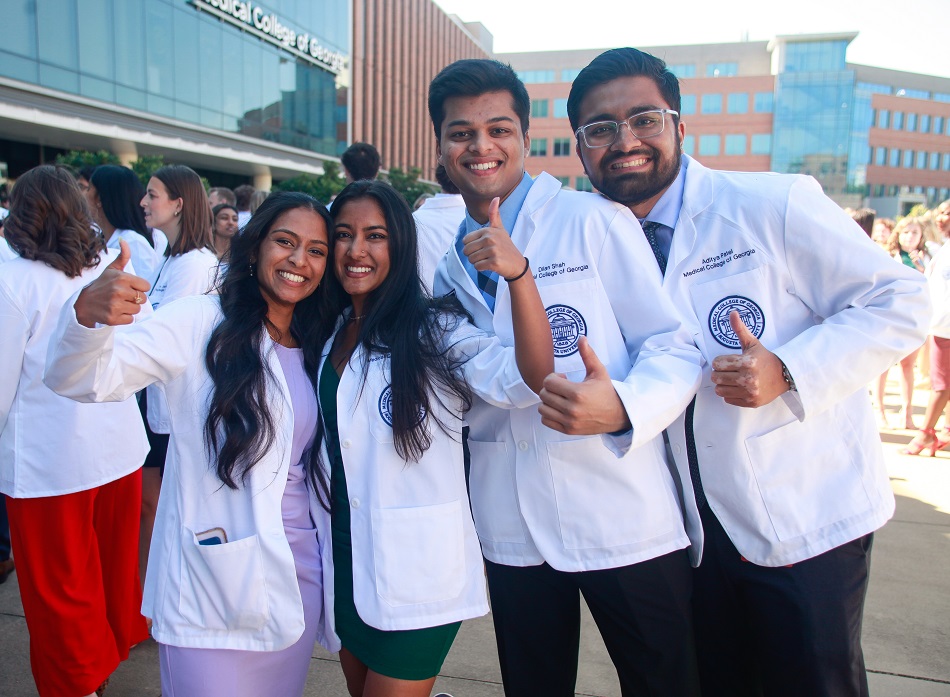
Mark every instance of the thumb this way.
pixel 494 217
pixel 123 258
pixel 747 339
pixel 595 369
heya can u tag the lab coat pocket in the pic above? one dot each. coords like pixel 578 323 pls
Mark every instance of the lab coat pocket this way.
pixel 807 476
pixel 572 313
pixel 605 501
pixel 418 553
pixel 494 493
pixel 222 586
pixel 748 293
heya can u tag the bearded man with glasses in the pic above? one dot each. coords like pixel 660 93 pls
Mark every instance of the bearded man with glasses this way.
pixel 781 464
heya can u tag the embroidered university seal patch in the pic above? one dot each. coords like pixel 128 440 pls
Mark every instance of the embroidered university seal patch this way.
pixel 386 407
pixel 750 314
pixel 567 327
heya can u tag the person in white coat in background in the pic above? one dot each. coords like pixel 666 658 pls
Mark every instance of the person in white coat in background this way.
pixel 398 374
pixel 559 516
pixel 780 451
pixel 70 471
pixel 437 223
pixel 235 580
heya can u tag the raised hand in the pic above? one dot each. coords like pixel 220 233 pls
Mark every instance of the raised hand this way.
pixel 491 248
pixel 583 408
pixel 752 378
pixel 113 298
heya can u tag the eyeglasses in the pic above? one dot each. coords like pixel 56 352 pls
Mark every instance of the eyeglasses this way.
pixel 646 124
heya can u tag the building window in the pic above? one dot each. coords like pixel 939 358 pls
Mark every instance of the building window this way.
pixel 539 108
pixel 722 69
pixel 921 160
pixel 689 145
pixel 562 147
pixel 568 75
pixel 709 145
pixel 880 156
pixel 763 102
pixel 683 69
pixel 941 97
pixel 738 103
pixel 565 181
pixel 925 123
pixel 895 160
pixel 536 76
pixel 913 94
pixel 908 158
pixel 539 147
pixel 735 144
pixel 883 118
pixel 761 143
pixel 935 160
pixel 897 121
pixel 946 162
pixel 712 103
pixel 687 104
pixel 938 125
pixel 582 184
pixel 560 108
pixel 912 122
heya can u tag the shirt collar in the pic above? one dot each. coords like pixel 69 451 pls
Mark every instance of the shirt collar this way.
pixel 667 209
pixel 509 208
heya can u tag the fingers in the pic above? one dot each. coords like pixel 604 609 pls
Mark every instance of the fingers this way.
pixel 123 258
pixel 595 369
pixel 494 216
pixel 746 338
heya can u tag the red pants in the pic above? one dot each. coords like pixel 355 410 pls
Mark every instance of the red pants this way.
pixel 77 566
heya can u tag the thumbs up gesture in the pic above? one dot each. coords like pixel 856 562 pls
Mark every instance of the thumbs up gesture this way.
pixel 752 378
pixel 491 248
pixel 113 298
pixel 583 408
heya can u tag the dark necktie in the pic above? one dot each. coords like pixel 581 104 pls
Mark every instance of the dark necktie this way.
pixel 649 231
pixel 488 285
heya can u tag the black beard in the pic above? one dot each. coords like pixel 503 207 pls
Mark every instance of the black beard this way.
pixel 635 188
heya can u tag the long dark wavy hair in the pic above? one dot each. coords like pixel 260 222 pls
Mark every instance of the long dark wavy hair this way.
pixel 240 429
pixel 120 193
pixel 49 221
pixel 405 323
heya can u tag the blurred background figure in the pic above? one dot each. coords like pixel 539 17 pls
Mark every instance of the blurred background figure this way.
pixel 360 161
pixel 257 199
pixel 881 231
pixel 220 194
pixel 225 228
pixel 243 195
pixel 865 218
pixel 437 224
pixel 114 194
pixel 70 472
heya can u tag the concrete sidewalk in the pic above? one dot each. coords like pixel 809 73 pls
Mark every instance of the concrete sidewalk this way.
pixel 906 628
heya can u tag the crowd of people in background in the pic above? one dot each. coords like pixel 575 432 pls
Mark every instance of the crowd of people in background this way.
pixel 238 420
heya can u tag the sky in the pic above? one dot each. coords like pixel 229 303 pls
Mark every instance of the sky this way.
pixel 906 35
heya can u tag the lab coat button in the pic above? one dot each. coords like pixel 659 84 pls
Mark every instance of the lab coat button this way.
pixel 522 445
pixel 676 450
pixel 346 443
pixel 355 502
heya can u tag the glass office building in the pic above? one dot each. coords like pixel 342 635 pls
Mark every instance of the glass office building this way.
pixel 225 85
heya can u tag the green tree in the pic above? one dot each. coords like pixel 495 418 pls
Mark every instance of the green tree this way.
pixel 407 183
pixel 145 167
pixel 77 159
pixel 323 187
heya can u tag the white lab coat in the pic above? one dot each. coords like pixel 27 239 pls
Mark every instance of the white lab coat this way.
pixel 437 224
pixel 805 473
pixel 538 495
pixel 416 558
pixel 6 251
pixel 238 595
pixel 146 259
pixel 50 445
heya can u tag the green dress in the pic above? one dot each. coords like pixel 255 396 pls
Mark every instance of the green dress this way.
pixel 415 654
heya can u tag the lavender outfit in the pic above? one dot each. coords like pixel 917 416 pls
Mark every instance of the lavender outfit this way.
pixel 187 672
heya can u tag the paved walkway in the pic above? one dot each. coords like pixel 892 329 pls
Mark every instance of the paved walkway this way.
pixel 906 629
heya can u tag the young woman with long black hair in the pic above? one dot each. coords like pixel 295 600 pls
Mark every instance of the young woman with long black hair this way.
pixel 235 581
pixel 399 371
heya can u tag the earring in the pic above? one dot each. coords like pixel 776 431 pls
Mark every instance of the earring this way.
pixel 177 212
pixel 250 270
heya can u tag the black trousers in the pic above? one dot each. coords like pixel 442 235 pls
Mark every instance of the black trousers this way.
pixel 641 610
pixel 780 631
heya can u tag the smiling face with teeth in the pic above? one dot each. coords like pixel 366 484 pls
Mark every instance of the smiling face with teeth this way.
pixel 631 171
pixel 360 249
pixel 290 262
pixel 482 148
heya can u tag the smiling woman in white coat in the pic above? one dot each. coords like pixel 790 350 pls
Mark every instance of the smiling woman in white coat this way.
pixel 398 374
pixel 234 583
pixel 70 471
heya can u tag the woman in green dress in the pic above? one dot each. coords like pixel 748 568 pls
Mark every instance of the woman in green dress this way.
pixel 400 369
